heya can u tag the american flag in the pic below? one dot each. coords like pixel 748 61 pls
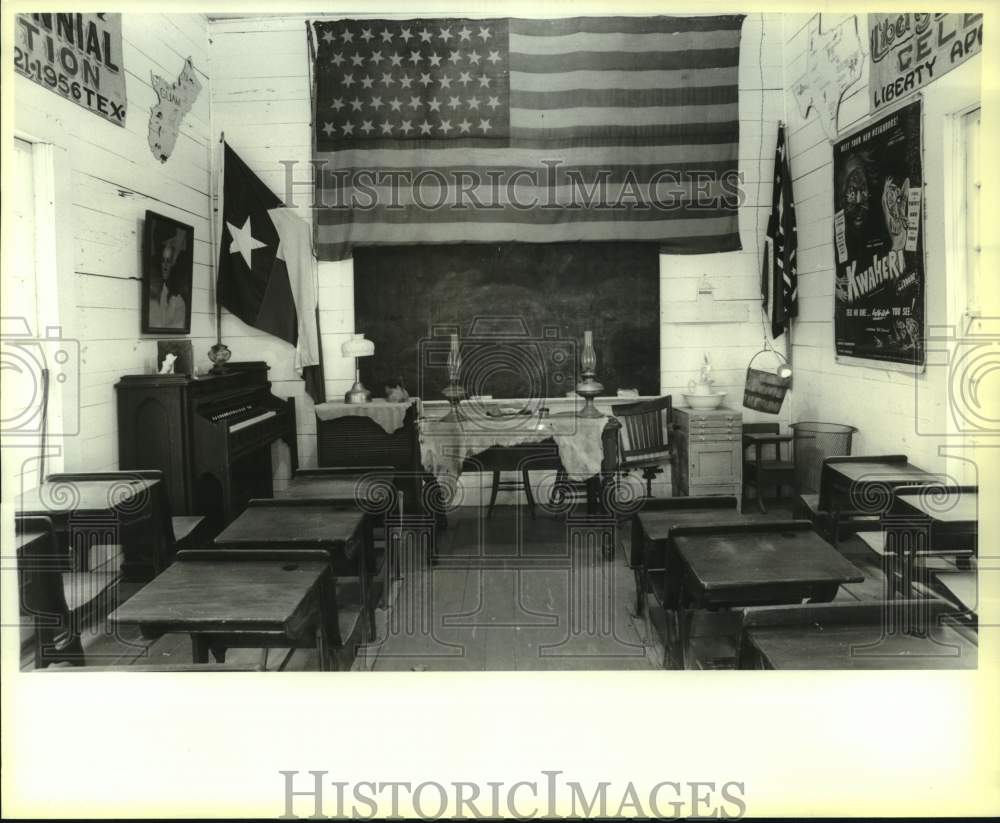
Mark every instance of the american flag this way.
pixel 493 130
pixel 781 287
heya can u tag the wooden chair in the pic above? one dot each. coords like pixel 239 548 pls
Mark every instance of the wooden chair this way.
pixel 819 507
pixel 760 472
pixel 644 441
pixel 42 568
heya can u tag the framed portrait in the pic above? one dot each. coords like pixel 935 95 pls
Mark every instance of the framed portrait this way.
pixel 167 266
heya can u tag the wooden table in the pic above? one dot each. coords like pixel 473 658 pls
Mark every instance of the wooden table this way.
pixel 239 603
pixel 754 564
pixel 857 647
pixel 336 527
pixel 871 482
pixel 651 532
pixel 931 520
pixel 98 511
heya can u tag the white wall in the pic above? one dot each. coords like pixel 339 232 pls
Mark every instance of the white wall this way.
pixel 893 410
pixel 107 178
pixel 260 71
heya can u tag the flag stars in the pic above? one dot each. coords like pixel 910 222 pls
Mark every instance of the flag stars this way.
pixel 328 128
pixel 473 103
pixel 337 104
pixel 243 240
pixel 395 104
pixel 386 36
pixel 376 57
pixel 328 36
pixel 415 57
pixel 454 102
pixel 425 36
pixel 445 126
pixel 445 81
pixel 348 80
pixel 485 126
pixel 464 126
pixel 396 59
pixel 348 128
pixel 406 35
pixel 367 126
pixel 484 81
pixel 337 59
pixel 425 79
pixel 357 60
pixel 464 78
pixel 493 102
pixel 494 57
pixel 405 127
pixel 455 56
pixel 356 104
pixel 386 127
pixel 406 81
pixel 425 127
pixel 464 33
pixel 484 33
pixel 387 79
pixel 347 36
pixel 414 102
pixel 475 57
pixel 445 34
pixel 366 82
pixel 377 103
pixel 366 35
pixel 434 104
pixel 435 59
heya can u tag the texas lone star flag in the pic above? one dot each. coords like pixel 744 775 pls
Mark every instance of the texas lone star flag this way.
pixel 267 270
pixel 491 130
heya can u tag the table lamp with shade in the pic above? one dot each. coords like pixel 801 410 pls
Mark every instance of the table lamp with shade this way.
pixel 357 347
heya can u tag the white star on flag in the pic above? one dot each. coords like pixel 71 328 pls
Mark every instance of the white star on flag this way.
pixel 243 241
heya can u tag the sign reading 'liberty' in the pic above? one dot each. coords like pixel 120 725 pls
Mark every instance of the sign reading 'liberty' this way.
pixel 908 51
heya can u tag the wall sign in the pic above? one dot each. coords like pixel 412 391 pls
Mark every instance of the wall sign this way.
pixel 909 51
pixel 78 56
pixel 175 100
pixel 878 244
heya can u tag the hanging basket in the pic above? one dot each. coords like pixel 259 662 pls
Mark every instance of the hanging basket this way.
pixel 764 390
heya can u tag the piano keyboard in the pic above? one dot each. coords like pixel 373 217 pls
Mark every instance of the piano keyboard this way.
pixel 243 424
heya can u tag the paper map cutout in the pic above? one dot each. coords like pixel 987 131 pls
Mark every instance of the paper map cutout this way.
pixel 176 100
pixel 833 64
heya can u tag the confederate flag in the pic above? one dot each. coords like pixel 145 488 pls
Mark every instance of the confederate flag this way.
pixel 267 270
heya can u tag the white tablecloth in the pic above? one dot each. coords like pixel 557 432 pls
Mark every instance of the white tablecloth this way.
pixel 388 415
pixel 445 446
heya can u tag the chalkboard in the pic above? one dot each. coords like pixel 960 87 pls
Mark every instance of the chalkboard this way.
pixel 520 311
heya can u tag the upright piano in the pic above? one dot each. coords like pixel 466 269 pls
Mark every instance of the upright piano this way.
pixel 210 435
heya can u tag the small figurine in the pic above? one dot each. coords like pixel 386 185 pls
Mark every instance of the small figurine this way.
pixel 168 363
pixel 705 379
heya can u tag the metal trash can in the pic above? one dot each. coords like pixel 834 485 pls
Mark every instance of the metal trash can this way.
pixel 813 442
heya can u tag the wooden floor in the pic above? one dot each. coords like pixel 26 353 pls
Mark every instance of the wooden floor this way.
pixel 505 594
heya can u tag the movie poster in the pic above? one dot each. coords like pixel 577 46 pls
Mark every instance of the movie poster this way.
pixel 878 241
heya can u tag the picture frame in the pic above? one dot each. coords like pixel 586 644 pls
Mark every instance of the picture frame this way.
pixel 167 274
pixel 183 350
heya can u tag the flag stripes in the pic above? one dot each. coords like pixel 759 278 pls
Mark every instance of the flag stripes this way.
pixel 493 104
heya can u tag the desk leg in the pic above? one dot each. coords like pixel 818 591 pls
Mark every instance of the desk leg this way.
pixel 199 648
pixel 639 573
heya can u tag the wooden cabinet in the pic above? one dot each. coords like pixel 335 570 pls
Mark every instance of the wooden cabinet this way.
pixel 708 453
